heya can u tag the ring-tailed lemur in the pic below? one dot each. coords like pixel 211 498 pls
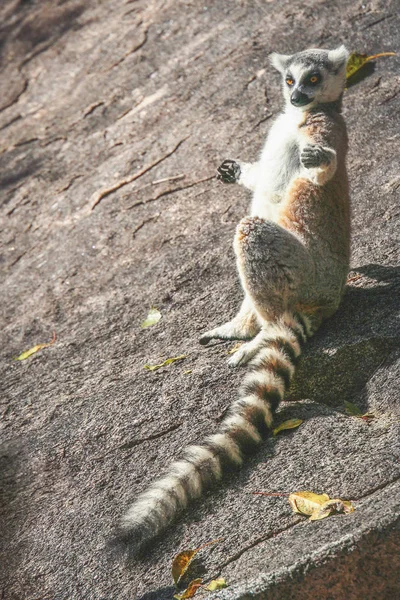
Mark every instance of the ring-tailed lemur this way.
pixel 292 256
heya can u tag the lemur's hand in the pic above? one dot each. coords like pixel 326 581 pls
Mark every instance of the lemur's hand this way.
pixel 228 171
pixel 314 156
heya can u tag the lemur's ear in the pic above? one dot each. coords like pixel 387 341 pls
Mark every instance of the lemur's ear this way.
pixel 279 61
pixel 338 57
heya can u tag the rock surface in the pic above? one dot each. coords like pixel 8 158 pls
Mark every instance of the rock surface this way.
pixel 145 99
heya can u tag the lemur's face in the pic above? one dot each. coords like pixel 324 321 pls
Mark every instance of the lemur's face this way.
pixel 312 76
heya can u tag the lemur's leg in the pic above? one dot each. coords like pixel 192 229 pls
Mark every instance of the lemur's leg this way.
pixel 248 350
pixel 276 272
pixel 242 327
pixel 236 171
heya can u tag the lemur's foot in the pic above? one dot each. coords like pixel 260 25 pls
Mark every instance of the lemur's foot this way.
pixel 228 171
pixel 204 339
pixel 242 356
pixel 314 156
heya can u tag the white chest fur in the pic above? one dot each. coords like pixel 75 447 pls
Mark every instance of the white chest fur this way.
pixel 279 164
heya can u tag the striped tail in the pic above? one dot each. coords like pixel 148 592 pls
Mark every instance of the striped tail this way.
pixel 249 419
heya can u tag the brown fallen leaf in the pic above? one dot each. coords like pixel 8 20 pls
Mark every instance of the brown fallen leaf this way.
pixel 190 591
pixel 36 348
pixel 357 61
pixel 290 424
pixel 182 561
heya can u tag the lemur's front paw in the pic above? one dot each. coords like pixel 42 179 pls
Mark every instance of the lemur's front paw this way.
pixel 228 171
pixel 314 156
pixel 205 338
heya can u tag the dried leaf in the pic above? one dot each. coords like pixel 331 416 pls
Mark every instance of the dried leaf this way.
pixel 235 348
pixel 152 318
pixel 167 362
pixel 190 590
pixel 290 424
pixel 332 507
pixel 357 61
pixel 36 348
pixel 352 410
pixel 217 584
pixel 368 417
pixel 181 563
pixel 306 503
pixel 318 506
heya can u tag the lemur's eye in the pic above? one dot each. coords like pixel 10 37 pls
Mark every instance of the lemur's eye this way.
pixel 289 81
pixel 314 78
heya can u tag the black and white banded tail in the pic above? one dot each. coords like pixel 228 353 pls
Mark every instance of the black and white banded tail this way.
pixel 249 419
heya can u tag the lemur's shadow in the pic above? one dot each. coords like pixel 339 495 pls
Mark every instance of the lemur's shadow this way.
pixel 355 342
pixel 360 338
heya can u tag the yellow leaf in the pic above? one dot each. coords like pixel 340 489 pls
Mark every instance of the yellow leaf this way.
pixel 322 513
pixel 36 348
pixel 352 410
pixel 181 563
pixel 357 61
pixel 190 590
pixel 165 363
pixel 306 503
pixel 234 348
pixel 152 318
pixel 217 584
pixel 187 372
pixel 290 424
pixel 331 507
pixel 347 507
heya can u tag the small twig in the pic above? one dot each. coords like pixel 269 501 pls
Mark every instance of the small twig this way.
pixel 226 210
pixel 354 278
pixel 174 178
pixel 153 436
pixel 284 494
pixel 144 223
pixel 167 192
pixel 98 196
pixel 267 116
pixel 91 108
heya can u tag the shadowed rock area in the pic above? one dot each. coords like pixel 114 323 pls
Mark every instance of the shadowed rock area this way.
pixel 113 118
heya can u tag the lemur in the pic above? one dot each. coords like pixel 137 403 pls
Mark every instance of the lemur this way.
pixel 292 255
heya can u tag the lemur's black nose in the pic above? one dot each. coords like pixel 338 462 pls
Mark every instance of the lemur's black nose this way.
pixel 300 99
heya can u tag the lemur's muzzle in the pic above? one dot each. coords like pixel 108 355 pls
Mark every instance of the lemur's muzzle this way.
pixel 300 99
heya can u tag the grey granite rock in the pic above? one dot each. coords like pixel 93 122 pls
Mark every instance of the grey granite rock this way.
pixel 96 96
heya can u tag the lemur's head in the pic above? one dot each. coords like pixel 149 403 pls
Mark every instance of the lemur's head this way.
pixel 312 76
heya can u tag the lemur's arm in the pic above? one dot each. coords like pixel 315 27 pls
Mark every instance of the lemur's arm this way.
pixel 233 171
pixel 322 138
pixel 319 162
